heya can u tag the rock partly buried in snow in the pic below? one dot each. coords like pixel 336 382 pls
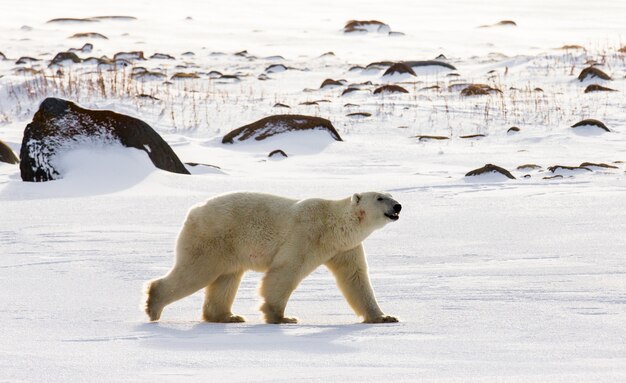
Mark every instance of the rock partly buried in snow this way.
pixel 162 56
pixel 568 169
pixel 365 26
pixel 7 155
pixel 65 56
pixel 428 138
pixel 427 63
pixel 398 71
pixel 502 23
pixel 490 169
pixel 590 122
pixel 275 68
pixel 528 167
pixel 593 72
pixel 329 83
pixel 479 90
pixel 60 126
pixel 513 129
pixel 598 88
pixel 597 165
pixel 385 89
pixel 130 56
pixel 86 48
pixel 277 154
pixel 88 35
pixel 278 124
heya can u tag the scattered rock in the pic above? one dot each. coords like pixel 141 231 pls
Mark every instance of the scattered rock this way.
pixel 2 56
pixel 184 76
pixel 349 105
pixel 276 153
pixel 349 90
pixel 228 79
pixel 425 63
pixel 309 103
pixel 591 122
pixel 330 83
pixel 528 167
pixel 513 129
pixel 150 97
pixel 572 47
pixel 399 69
pixel 597 165
pixel 278 124
pixel 26 60
pixel 592 72
pixel 328 54
pixel 553 177
pixel 570 168
pixel 116 18
pixel 473 136
pixel 129 56
pixel 432 87
pixel 194 164
pixel 390 89
pixel 359 114
pixel 60 125
pixel 478 90
pixel 276 68
pixel 364 26
pixel 162 56
pixel 68 20
pixel 598 88
pixel 503 23
pixel 263 77
pixel 622 49
pixel 88 35
pixel 279 105
pixel 428 138
pixel 396 33
pixel 355 68
pixel 65 56
pixel 188 54
pixel 7 155
pixel 490 168
pixel 86 48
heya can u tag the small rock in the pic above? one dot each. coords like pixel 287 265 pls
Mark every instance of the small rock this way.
pixel 65 56
pixel 276 68
pixel 528 167
pixel 86 48
pixel 427 138
pixel 503 23
pixel 478 90
pixel 592 72
pixel 277 153
pixel 597 165
pixel 162 56
pixel 364 26
pixel 490 168
pixel 7 155
pixel 279 105
pixel 26 60
pixel 184 76
pixel 591 122
pixel 473 136
pixel 390 89
pixel 564 167
pixel 330 83
pixel 598 88
pixel 88 35
pixel 359 114
pixel 399 69
pixel 278 124
pixel 513 129
pixel 129 56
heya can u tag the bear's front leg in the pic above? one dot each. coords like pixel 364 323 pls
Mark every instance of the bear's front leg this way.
pixel 350 270
pixel 276 288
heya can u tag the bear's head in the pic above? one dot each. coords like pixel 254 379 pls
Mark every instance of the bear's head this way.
pixel 376 209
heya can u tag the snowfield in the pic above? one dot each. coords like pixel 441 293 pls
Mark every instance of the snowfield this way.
pixel 493 279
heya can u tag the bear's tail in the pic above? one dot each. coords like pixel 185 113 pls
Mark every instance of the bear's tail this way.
pixel 151 304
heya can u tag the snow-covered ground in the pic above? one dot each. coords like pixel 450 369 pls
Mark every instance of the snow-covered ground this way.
pixel 493 280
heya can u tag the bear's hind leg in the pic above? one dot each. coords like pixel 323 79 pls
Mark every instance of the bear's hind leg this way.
pixel 276 288
pixel 219 299
pixel 176 285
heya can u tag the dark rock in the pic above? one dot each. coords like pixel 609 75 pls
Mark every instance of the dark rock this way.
pixel 597 165
pixel 88 35
pixel 188 54
pixel 329 82
pixel 359 114
pixel 349 90
pixel 194 164
pixel 162 56
pixel 309 103
pixel 622 49
pixel 60 125
pixel 328 54
pixel 7 155
pixel 598 88
pixel 478 90
pixel 273 125
pixel 528 167
pixel 564 167
pixel 2 56
pixel 591 122
pixel 184 76
pixel 69 20
pixel 116 18
pixel 553 177
pixel 502 23
pixel 592 72
pixel 441 57
pixel 572 47
pixel 432 87
pixel 275 68
pixel 364 26
pixel 418 64
pixel 277 152
pixel 355 68
pixel 399 68
pixel 26 60
pixel 279 105
pixel 129 56
pixel 65 56
pixel 86 48
pixel 147 96
pixel 513 129
pixel 473 136
pixel 427 138
pixel 390 89
pixel 490 168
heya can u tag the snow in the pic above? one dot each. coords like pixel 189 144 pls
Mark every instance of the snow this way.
pixel 493 279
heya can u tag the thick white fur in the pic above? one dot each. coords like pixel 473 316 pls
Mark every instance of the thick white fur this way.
pixel 285 238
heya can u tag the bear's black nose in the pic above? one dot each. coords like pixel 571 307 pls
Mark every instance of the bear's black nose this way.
pixel 397 207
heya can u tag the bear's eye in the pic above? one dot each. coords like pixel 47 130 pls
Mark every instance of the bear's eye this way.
pixel 379 199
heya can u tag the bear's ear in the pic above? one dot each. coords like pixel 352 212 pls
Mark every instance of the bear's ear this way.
pixel 356 198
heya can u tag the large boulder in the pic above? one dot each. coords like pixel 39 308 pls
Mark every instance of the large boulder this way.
pixel 282 123
pixel 60 126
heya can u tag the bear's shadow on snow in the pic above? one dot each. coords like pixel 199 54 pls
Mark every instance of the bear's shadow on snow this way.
pixel 258 337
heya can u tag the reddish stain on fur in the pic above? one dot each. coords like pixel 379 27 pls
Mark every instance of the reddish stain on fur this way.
pixel 361 215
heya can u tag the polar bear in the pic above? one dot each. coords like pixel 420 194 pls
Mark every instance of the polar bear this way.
pixel 284 238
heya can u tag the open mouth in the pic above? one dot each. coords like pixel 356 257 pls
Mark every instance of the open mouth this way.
pixel 393 216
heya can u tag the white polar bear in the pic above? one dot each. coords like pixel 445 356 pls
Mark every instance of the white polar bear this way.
pixel 285 238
